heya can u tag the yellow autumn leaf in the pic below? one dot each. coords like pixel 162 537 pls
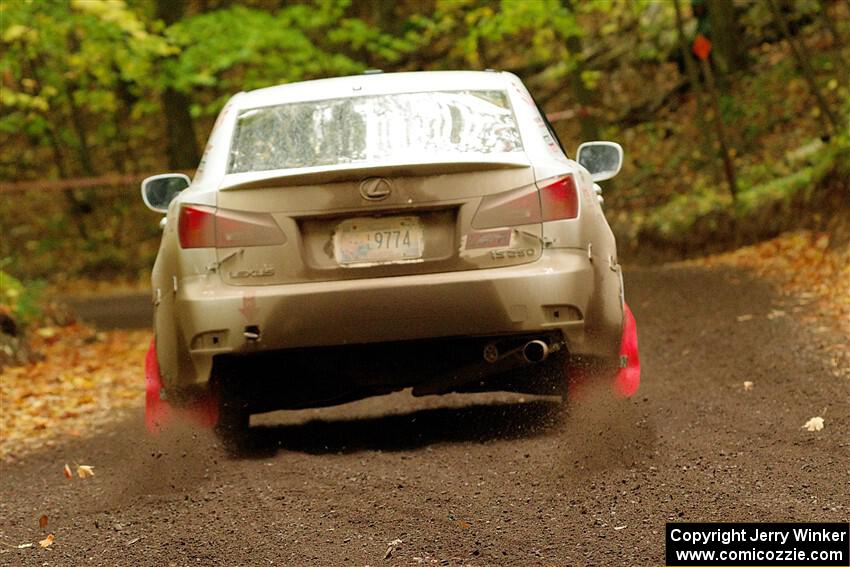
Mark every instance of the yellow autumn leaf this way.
pixel 814 424
pixel 47 332
pixel 15 32
pixel 85 470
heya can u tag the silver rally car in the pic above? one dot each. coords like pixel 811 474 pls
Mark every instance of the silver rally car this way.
pixel 355 236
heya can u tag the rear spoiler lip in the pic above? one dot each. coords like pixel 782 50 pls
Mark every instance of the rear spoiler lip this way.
pixel 348 172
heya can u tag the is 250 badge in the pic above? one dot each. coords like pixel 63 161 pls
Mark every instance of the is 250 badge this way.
pixel 512 253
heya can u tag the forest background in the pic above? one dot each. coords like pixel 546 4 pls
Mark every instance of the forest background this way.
pixel 733 114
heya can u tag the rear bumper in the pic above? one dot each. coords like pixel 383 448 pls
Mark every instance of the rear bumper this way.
pixel 560 291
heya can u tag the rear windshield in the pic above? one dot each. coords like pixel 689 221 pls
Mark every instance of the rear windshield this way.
pixel 392 128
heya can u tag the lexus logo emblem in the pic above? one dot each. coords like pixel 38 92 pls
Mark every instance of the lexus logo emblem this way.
pixel 375 188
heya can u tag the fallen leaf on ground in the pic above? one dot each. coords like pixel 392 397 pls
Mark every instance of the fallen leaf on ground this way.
pixel 67 472
pixel 808 266
pixel 48 541
pixel 742 318
pixel 74 389
pixel 85 470
pixel 804 264
pixel 464 524
pixel 748 386
pixel 47 332
pixel 814 424
pixel 42 521
pixel 391 546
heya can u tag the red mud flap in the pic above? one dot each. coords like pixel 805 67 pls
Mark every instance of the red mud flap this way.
pixel 159 414
pixel 624 383
pixel 628 377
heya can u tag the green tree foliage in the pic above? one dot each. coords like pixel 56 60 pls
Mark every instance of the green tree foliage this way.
pixel 74 74
pixel 88 87
pixel 84 80
pixel 81 74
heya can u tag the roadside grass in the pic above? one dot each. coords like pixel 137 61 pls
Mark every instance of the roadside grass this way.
pixel 673 199
pixel 763 204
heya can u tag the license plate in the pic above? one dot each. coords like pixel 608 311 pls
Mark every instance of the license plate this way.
pixel 361 242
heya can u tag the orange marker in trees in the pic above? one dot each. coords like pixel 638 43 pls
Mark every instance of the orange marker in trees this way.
pixel 701 47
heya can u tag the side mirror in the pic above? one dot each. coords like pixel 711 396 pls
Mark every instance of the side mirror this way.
pixel 602 159
pixel 159 190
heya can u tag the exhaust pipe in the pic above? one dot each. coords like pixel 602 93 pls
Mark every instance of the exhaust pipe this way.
pixel 491 353
pixel 535 351
pixel 532 352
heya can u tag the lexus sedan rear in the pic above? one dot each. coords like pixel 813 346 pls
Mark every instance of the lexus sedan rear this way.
pixel 355 236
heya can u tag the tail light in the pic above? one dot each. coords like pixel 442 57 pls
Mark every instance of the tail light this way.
pixel 551 199
pixel 207 227
pixel 237 228
pixel 517 206
pixel 558 198
pixel 196 227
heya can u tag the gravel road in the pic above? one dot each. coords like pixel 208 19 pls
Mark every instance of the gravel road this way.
pixel 476 480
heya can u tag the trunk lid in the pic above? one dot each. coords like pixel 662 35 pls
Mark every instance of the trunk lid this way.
pixel 411 219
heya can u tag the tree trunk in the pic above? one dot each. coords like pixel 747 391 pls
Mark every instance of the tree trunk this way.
pixel 83 152
pixel 720 131
pixel 584 97
pixel 181 145
pixel 837 43
pixel 80 206
pixel 122 154
pixel 830 25
pixel 70 86
pixel 688 61
pixel 730 51
pixel 801 55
